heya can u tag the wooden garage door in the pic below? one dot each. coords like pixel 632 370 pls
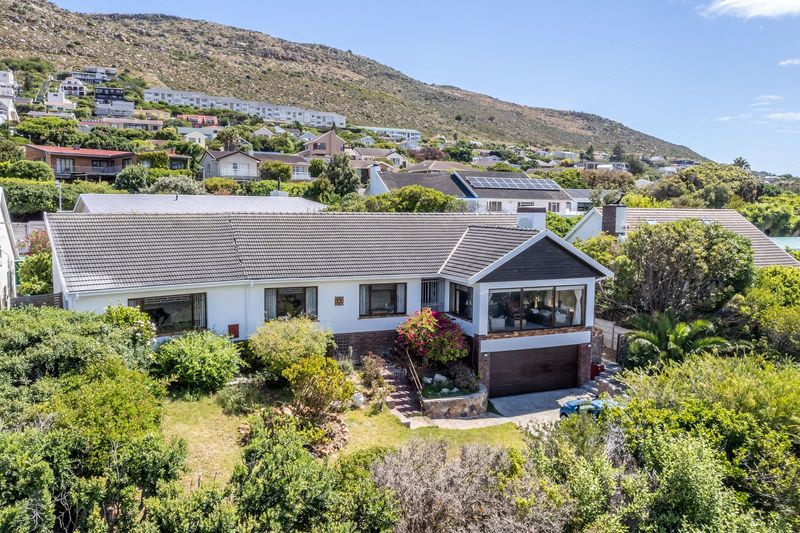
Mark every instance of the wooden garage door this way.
pixel 521 371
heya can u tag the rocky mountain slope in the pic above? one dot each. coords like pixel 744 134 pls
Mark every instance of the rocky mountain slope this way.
pixel 205 56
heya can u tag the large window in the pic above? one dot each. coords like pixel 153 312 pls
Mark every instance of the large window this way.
pixel 65 166
pixel 461 301
pixel 290 301
pixel 494 207
pixel 382 299
pixel 174 314
pixel 536 308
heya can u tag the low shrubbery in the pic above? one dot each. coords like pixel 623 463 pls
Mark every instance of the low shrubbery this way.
pixel 27 197
pixel 223 186
pixel 278 344
pixel 176 185
pixel 198 361
pixel 318 386
pixel 36 274
pixel 27 170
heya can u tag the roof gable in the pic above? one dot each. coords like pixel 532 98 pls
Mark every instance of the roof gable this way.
pixel 480 246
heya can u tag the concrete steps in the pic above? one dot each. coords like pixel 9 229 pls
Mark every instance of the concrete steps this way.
pixel 605 382
pixel 403 401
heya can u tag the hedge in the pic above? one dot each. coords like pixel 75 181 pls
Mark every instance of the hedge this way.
pixel 25 197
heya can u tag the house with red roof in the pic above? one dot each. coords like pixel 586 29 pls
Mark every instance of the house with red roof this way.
pixel 79 163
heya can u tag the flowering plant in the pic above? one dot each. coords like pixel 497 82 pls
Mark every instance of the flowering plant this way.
pixel 432 335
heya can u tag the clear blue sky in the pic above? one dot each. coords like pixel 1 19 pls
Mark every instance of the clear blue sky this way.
pixel 720 76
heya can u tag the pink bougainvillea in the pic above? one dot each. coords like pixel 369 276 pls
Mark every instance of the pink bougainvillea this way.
pixel 432 335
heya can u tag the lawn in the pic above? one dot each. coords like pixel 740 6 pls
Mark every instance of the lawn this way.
pixel 212 436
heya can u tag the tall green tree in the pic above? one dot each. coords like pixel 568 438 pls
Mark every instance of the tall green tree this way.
pixel 341 175
pixel 274 170
pixel 741 162
pixel 617 153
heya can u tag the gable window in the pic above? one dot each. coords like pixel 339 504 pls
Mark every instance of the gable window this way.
pixel 494 207
pixel 382 299
pixel 536 308
pixel 461 301
pixel 174 314
pixel 289 302
pixel 320 146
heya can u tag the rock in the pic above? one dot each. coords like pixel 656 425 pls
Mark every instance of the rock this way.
pixel 445 391
pixel 427 381
pixel 438 378
pixel 359 400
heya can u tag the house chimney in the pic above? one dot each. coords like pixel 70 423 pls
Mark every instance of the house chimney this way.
pixel 614 216
pixel 531 217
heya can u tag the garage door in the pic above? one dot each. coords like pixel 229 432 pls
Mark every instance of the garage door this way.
pixel 521 371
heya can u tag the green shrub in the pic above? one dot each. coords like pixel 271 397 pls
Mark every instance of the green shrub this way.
pixel 25 197
pixel 432 335
pixel 157 159
pixel 28 170
pixel 318 386
pixel 281 343
pixel 274 170
pixel 36 274
pixel 221 186
pixel 240 399
pixel 204 510
pixel 137 322
pixel 176 185
pixel 199 361
pixel 316 167
pixel 463 377
pixel 132 179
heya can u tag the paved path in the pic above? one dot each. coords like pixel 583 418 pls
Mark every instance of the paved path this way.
pixel 537 407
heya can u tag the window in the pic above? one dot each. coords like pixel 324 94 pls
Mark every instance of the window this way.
pixel 320 146
pixel 432 294
pixel 99 163
pixel 65 166
pixel 461 301
pixel 383 299
pixel 290 301
pixel 174 314
pixel 494 207
pixel 536 308
pixel 553 207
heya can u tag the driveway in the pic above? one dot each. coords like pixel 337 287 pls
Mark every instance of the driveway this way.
pixel 536 406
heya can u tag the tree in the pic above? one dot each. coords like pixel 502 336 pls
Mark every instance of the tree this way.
pixel 36 274
pixel 589 153
pixel 132 179
pixel 558 224
pixel 29 170
pixel 274 171
pixel 428 153
pixel 198 361
pixel 9 151
pixel 742 163
pixel 502 166
pixel 617 153
pixel 408 199
pixel 432 335
pixel 635 165
pixel 341 175
pixel 687 265
pixel 570 178
pixel 662 337
pixel 318 386
pixel 176 185
pixel 633 199
pixel 461 151
pixel 316 167
pixel 280 343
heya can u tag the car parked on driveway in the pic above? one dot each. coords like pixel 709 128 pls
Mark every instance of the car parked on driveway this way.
pixel 587 407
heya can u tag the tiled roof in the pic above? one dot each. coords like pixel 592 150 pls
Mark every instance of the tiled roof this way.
pixel 88 152
pixel 374 152
pixel 219 154
pixel 188 203
pixel 481 246
pixel 118 251
pixel 765 251
pixel 435 166
pixel 441 181
pixel 289 159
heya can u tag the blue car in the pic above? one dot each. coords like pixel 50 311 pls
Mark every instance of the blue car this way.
pixel 587 407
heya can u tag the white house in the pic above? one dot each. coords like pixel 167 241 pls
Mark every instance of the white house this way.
pixel 371 154
pixel 263 131
pixel 243 166
pixel 193 203
pixel 195 137
pixel 366 140
pixel 58 102
pixel 8 255
pixel 620 220
pixel 73 87
pixel 114 108
pixel 8 85
pixel 8 111
pixel 395 134
pixel 524 296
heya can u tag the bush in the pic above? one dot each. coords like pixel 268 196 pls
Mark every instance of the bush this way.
pixel 199 361
pixel 36 274
pixel 432 335
pixel 318 385
pixel 205 510
pixel 28 170
pixel 316 167
pixel 281 343
pixel 274 171
pixel 137 322
pixel 157 159
pixel 463 377
pixel 26 197
pixel 224 186
pixel 176 185
pixel 132 179
pixel 240 399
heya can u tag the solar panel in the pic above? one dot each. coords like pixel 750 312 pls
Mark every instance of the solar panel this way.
pixel 493 182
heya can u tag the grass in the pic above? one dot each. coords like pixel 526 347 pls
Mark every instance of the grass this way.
pixel 211 437
pixel 213 448
pixel 384 429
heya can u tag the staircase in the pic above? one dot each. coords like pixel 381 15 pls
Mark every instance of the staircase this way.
pixel 605 381
pixel 404 400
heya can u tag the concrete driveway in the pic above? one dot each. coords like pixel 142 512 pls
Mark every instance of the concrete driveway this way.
pixel 536 406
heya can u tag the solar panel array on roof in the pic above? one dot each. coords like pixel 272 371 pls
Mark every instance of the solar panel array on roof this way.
pixel 480 182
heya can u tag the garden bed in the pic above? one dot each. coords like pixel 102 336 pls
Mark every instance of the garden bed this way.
pixel 457 406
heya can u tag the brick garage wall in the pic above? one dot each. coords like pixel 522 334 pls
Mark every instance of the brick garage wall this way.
pixel 378 342
pixel 584 364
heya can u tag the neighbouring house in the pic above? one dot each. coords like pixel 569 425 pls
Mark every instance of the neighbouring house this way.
pixel 620 220
pixel 584 198
pixel 263 132
pixel 364 168
pixel 372 154
pixel 408 145
pixel 486 160
pixel 8 85
pixel 58 114
pixel 395 134
pixel 524 296
pixel 306 136
pixel 227 164
pixel 564 154
pixel 58 101
pixel 74 163
pixel 175 160
pixel 126 123
pixel 209 132
pixel 9 255
pixel 545 164
pixel 198 121
pixel 366 140
pixel 616 166
pixel 483 191
pixel 8 110
pixel 299 164
pixel 105 95
pixel 437 166
pixel 324 146
pixel 152 114
pixel 193 203
pixel 667 170
pixel 116 108
pixel 94 75
pixel 195 137
pixel 73 87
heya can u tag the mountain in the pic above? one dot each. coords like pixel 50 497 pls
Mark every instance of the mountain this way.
pixel 209 57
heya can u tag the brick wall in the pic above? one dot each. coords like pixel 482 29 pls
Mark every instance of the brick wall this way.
pixel 584 364
pixel 378 342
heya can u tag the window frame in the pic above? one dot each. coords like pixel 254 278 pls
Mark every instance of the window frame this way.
pixel 552 291
pixel 370 313
pixel 452 308
pixel 141 301
pixel 305 312
pixel 494 203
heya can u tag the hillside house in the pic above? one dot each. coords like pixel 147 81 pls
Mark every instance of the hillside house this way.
pixel 73 87
pixel 8 110
pixel 9 255
pixel 199 121
pixel 324 146
pixel 58 102
pixel 80 163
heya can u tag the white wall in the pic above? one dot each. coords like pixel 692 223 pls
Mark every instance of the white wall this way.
pixel 6 265
pixel 510 206
pixel 588 227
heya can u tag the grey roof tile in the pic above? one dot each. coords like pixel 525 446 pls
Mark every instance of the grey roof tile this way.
pixel 188 203
pixel 481 246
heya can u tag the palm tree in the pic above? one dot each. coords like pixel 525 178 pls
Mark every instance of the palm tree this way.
pixel 662 337
pixel 741 162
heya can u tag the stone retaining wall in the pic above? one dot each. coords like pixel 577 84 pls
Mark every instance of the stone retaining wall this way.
pixel 469 405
